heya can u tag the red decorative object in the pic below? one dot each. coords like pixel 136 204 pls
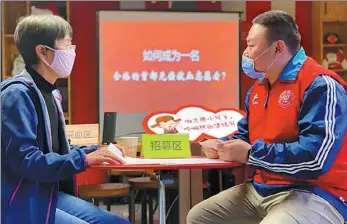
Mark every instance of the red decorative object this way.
pixel 335 59
pixel 331 38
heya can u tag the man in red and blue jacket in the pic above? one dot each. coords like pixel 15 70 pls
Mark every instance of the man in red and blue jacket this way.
pixel 294 135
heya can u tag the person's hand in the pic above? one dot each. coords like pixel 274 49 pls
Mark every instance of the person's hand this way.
pixel 234 151
pixel 104 155
pixel 210 148
pixel 211 153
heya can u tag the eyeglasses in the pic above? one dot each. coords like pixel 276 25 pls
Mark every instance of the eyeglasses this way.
pixel 70 47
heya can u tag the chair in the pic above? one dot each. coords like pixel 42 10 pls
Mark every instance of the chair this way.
pixel 149 187
pixel 88 134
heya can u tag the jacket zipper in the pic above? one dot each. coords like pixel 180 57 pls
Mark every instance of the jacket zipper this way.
pixel 267 86
pixel 15 191
pixel 343 200
pixel 49 205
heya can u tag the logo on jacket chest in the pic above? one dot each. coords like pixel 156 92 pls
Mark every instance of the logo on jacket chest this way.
pixel 286 99
pixel 255 99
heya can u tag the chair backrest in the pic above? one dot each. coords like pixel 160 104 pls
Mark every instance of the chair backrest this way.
pixel 83 134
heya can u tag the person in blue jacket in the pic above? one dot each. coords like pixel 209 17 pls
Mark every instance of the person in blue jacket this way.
pixel 38 165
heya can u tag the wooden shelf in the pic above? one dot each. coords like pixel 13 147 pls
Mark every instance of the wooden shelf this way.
pixel 67 117
pixel 12 11
pixel 10 52
pixel 332 11
pixel 329 17
pixel 6 77
pixel 334 45
pixel 339 70
pixel 9 35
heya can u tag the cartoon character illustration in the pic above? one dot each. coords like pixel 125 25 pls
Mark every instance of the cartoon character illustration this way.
pixel 168 123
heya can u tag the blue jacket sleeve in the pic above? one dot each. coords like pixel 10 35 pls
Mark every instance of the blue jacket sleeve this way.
pixel 20 147
pixel 322 126
pixel 86 149
pixel 242 125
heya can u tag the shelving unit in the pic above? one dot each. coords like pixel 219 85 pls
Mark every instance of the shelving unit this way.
pixel 330 17
pixel 11 12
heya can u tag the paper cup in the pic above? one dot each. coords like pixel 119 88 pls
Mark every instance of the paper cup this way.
pixel 129 144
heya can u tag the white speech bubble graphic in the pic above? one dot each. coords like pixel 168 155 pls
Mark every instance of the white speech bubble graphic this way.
pixel 196 122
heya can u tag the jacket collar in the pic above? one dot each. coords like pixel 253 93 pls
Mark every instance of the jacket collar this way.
pixel 26 77
pixel 291 70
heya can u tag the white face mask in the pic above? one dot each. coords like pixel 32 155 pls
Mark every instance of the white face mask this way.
pixel 63 61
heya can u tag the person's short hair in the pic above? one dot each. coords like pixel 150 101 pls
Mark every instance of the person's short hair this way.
pixel 281 26
pixel 36 30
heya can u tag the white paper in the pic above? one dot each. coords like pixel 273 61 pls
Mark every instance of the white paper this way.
pixel 116 151
pixel 184 161
pixel 211 143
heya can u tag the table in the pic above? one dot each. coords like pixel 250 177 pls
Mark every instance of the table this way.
pixel 189 175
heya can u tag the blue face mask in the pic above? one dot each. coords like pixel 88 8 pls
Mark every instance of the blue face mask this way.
pixel 248 66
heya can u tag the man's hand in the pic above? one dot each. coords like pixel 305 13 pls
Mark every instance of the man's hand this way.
pixel 210 148
pixel 210 153
pixel 234 151
pixel 103 155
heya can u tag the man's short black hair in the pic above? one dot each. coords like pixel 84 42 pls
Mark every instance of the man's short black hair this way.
pixel 39 30
pixel 281 26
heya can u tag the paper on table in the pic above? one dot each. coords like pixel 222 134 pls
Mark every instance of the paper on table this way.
pixel 116 151
pixel 184 161
pixel 211 143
